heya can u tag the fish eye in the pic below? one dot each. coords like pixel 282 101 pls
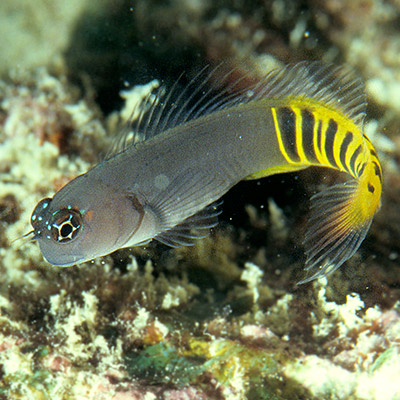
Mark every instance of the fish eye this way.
pixel 66 226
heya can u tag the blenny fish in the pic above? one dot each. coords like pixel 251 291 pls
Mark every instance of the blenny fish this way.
pixel 198 143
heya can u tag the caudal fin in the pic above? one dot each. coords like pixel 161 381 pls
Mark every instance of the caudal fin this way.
pixel 336 229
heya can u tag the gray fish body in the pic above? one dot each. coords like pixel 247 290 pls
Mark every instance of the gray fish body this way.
pixel 195 163
pixel 155 185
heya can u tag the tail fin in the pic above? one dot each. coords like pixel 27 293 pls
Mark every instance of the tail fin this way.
pixel 336 229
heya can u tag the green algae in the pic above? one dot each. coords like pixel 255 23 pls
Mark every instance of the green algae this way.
pixel 384 358
pixel 232 364
pixel 38 383
pixel 161 363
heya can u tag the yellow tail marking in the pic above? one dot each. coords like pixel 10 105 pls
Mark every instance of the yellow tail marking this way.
pixel 338 147
pixel 317 127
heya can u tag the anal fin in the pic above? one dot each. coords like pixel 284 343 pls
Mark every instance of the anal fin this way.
pixel 193 228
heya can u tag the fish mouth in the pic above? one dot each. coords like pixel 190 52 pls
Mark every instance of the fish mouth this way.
pixel 58 258
pixel 64 261
pixel 32 232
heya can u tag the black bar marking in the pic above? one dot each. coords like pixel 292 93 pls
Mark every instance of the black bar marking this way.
pixel 366 138
pixel 361 170
pixel 319 135
pixel 344 147
pixel 307 127
pixel 377 170
pixel 354 158
pixel 373 153
pixel 287 127
pixel 329 141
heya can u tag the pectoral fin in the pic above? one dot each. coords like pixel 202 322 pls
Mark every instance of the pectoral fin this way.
pixel 191 229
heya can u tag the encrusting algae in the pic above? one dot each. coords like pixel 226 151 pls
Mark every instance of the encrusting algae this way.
pixel 222 319
pixel 119 329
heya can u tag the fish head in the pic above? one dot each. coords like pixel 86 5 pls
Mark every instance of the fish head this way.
pixel 82 222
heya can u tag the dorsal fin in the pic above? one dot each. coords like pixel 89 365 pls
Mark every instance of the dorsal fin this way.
pixel 166 108
pixel 185 102
pixel 212 89
pixel 335 86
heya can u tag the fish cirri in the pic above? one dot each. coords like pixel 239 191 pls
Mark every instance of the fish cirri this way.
pixel 195 147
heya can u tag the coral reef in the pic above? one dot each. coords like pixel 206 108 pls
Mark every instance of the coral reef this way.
pixel 223 319
pixel 36 34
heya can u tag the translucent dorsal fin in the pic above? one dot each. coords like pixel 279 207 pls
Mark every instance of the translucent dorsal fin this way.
pixel 212 89
pixel 164 108
pixel 200 96
pixel 335 86
pixel 130 133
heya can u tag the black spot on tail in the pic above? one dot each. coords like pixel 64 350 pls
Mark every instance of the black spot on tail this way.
pixel 371 188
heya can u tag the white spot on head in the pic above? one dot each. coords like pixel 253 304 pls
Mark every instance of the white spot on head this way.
pixel 161 181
